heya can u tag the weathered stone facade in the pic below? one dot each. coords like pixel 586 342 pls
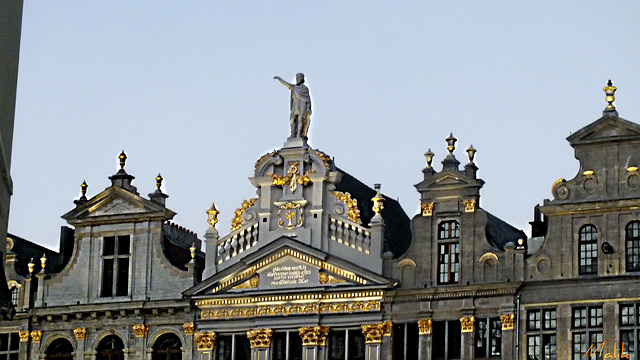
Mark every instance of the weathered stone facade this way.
pixel 321 266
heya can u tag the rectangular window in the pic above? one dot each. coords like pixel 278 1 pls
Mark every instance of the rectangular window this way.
pixel 541 334
pixel 587 326
pixel 287 345
pixel 447 333
pixel 629 330
pixel 115 266
pixel 488 341
pixel 449 263
pixel 405 341
pixel 346 344
pixel 9 346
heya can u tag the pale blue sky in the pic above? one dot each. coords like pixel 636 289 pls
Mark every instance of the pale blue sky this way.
pixel 186 89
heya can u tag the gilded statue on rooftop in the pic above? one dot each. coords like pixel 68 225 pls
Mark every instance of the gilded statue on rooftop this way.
pixel 300 105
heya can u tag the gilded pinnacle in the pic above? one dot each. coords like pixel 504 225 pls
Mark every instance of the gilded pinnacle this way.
pixel 159 181
pixel 610 91
pixel 123 159
pixel 451 143
pixel 212 214
pixel 429 155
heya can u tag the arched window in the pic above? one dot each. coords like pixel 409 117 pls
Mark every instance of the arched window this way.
pixel 110 348
pixel 632 238
pixel 59 349
pixel 167 347
pixel 588 250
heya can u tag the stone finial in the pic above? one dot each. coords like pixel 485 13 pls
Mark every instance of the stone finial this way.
pixel 123 159
pixel 260 338
pixel 159 182
pixel 472 153
pixel 429 155
pixel 31 264
pixel 610 91
pixel 451 143
pixel 212 215
pixel 43 261
pixel 193 251
pixel 377 200
pixel 83 188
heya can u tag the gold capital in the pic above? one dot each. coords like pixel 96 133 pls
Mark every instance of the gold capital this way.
pixel 205 340
pixel 467 323
pixel 188 328
pixel 424 326
pixel 427 209
pixel 24 336
pixel 373 333
pixel 36 335
pixel 260 338
pixel 507 321
pixel 140 330
pixel 314 335
pixel 80 333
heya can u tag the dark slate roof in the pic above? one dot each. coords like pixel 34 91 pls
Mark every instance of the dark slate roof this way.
pixel 499 233
pixel 175 246
pixel 25 250
pixel 397 232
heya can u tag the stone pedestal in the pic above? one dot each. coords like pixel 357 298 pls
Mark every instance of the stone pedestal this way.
pixel 260 340
pixel 424 346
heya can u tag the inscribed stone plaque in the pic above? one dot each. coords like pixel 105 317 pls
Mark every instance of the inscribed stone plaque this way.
pixel 289 273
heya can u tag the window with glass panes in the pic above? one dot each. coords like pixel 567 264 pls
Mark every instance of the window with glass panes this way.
pixel 586 325
pixel 348 344
pixel 405 341
pixel 541 334
pixel 588 250
pixel 632 237
pixel 488 341
pixel 115 265
pixel 14 295
pixel 629 326
pixel 446 340
pixel 9 346
pixel 448 252
pixel 287 345
pixel 235 346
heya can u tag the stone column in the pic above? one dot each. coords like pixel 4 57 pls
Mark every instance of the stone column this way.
pixel 386 348
pixel 424 347
pixel 139 350
pixel 467 337
pixel 36 336
pixel 40 290
pixel 24 345
pixel 81 334
pixel 260 340
pixel 373 334
pixel 205 342
pixel 508 336
pixel 187 350
pixel 314 342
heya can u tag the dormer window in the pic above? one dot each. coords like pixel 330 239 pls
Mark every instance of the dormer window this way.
pixel 115 266
pixel 588 250
pixel 448 252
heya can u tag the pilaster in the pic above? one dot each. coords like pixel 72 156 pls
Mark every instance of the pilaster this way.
pixel 373 334
pixel 467 337
pixel 140 331
pixel 80 334
pixel 508 335
pixel 188 346
pixel 205 342
pixel 260 340
pixel 314 342
pixel 23 352
pixel 424 332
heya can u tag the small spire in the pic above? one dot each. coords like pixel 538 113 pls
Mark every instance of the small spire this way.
pixel 212 215
pixel 159 181
pixel 193 251
pixel 451 143
pixel 429 155
pixel 83 188
pixel 610 91
pixel 472 153
pixel 123 159
pixel 43 261
pixel 31 265
pixel 377 200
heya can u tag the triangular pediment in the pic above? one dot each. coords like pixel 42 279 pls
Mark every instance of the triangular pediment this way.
pixel 606 129
pixel 287 265
pixel 115 202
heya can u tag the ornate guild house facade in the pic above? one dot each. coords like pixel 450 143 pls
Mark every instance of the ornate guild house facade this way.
pixel 321 266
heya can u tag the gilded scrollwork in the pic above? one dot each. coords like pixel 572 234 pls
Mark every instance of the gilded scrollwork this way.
pixel 293 177
pixel 467 323
pixel 314 335
pixel 236 222
pixel 290 309
pixel 291 216
pixel 205 340
pixel 260 338
pixel 427 209
pixel 325 278
pixel 325 160
pixel 352 204
pixel 424 326
pixel 273 153
pixel 373 333
pixel 469 205
pixel 507 321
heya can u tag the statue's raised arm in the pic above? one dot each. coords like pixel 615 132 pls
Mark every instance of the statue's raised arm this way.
pixel 300 105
